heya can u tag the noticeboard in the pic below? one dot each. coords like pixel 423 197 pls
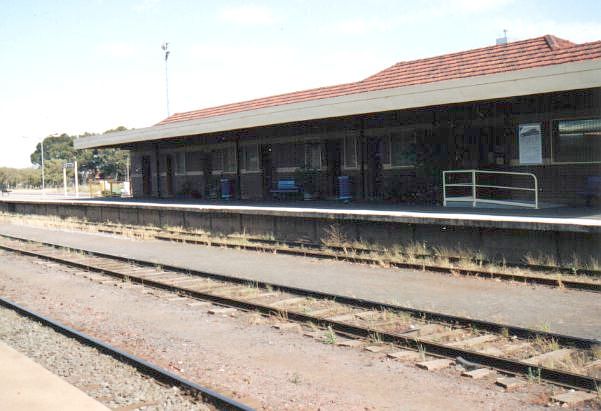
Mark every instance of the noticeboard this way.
pixel 530 143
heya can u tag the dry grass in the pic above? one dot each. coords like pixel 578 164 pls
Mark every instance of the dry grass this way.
pixel 415 253
pixel 333 236
pixel 544 344
pixel 596 351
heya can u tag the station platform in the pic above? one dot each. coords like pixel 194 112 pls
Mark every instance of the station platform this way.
pixel 27 386
pixel 561 234
pixel 548 217
pixel 571 312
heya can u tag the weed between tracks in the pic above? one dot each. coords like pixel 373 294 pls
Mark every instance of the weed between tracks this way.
pixel 534 375
pixel 335 243
pixel 330 336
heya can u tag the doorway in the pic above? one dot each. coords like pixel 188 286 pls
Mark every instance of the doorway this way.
pixel 334 166
pixel 207 170
pixel 146 176
pixel 169 175
pixel 267 167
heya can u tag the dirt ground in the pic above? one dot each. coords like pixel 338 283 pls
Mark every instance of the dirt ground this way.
pixel 570 312
pixel 244 356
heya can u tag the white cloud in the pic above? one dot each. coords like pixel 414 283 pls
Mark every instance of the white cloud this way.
pixel 425 15
pixel 476 6
pixel 363 25
pixel 247 15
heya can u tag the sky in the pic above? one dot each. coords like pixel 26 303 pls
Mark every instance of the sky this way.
pixel 88 66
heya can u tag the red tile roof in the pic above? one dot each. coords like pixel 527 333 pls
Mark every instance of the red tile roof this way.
pixel 519 55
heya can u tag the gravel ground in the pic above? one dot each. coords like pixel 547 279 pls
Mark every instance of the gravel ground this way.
pixel 100 376
pixel 242 355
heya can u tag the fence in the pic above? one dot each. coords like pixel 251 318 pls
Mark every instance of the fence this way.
pixel 474 187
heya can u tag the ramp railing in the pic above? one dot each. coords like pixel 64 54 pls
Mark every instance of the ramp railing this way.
pixel 473 184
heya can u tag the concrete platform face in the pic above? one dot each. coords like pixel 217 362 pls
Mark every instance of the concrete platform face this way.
pixel 553 219
pixel 556 234
pixel 27 386
pixel 569 312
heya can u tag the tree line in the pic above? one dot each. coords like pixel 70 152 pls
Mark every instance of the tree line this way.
pixel 107 163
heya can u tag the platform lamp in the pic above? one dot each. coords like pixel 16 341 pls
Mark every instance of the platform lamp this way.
pixel 165 48
pixel 42 165
pixel 43 179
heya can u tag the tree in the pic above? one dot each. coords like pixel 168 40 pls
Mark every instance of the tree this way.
pixel 110 163
pixel 55 148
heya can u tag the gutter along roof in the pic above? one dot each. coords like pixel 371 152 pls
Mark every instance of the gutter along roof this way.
pixel 538 65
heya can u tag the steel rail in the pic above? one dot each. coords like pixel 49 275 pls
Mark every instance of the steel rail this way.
pixel 145 367
pixel 312 250
pixel 432 316
pixel 306 247
pixel 558 377
pixel 550 281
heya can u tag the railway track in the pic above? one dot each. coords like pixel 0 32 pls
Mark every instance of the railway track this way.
pixel 400 331
pixel 208 396
pixel 554 276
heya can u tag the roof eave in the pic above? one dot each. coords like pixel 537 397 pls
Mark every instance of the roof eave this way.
pixel 559 77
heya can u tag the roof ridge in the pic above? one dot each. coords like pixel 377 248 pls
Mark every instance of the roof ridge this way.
pixel 539 51
pixel 463 52
pixel 556 43
pixel 274 96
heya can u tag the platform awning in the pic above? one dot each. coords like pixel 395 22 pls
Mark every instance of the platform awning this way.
pixel 552 78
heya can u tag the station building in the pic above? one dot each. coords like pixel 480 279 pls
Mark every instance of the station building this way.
pixel 531 106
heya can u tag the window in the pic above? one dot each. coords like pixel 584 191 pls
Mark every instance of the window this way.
pixel 312 155
pixel 350 152
pixel 577 141
pixel 180 162
pixel 194 160
pixel 224 159
pixel 250 157
pixel 229 159
pixel 402 149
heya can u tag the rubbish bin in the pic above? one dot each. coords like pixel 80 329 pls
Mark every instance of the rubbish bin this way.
pixel 344 188
pixel 226 189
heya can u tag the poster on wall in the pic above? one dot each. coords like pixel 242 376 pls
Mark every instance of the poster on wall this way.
pixel 530 143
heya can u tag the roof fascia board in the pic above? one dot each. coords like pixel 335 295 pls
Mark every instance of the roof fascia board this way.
pixel 568 76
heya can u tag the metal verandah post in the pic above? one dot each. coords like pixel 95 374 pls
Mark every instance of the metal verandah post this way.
pixel 158 173
pixel 238 182
pixel 474 188
pixel 362 152
pixel 444 189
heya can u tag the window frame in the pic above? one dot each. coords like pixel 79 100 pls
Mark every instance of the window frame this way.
pixel 309 147
pixel 244 160
pixel 179 155
pixel 389 165
pixel 554 132
pixel 344 159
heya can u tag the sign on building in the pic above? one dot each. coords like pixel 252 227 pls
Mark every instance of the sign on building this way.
pixel 530 143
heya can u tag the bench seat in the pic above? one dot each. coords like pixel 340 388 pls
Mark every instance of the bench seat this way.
pixel 286 186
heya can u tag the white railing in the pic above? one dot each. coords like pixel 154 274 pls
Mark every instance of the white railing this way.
pixel 473 198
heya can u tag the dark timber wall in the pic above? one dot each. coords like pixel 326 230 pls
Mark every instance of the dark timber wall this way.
pixel 395 156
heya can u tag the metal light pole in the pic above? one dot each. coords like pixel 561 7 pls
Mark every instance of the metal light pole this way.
pixel 43 180
pixel 76 179
pixel 165 47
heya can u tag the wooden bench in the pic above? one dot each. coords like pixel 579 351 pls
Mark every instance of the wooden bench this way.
pixel 286 186
pixel 592 189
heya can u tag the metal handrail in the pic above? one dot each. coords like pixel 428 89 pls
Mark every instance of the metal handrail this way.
pixel 474 186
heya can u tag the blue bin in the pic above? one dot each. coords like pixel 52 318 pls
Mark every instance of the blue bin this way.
pixel 344 188
pixel 226 189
